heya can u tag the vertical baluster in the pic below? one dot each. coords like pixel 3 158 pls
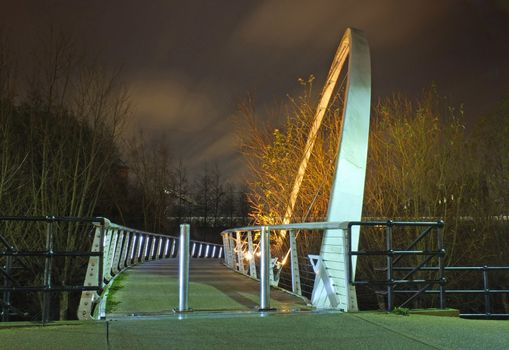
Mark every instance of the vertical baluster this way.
pixel 160 248
pixel 166 247
pixel 119 251
pixel 149 247
pixel 231 255
pixel 126 259
pixel 173 244
pixel 199 250
pixel 112 237
pixel 240 255
pixel 252 265
pixel 136 248
pixel 144 248
pixel 226 245
pixel 296 288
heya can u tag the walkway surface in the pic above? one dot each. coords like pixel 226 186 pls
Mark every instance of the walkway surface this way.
pixel 152 288
pixel 277 331
pixel 140 317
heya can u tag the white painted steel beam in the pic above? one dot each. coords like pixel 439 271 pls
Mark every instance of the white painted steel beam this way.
pixel 347 191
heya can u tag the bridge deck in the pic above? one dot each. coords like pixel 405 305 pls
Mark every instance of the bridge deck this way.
pixel 152 287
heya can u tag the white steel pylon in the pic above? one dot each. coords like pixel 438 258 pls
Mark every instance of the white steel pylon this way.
pixel 331 288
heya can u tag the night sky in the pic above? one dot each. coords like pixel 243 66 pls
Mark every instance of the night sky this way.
pixel 190 62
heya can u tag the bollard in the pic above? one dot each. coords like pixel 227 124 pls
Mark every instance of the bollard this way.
pixel 184 269
pixel 264 269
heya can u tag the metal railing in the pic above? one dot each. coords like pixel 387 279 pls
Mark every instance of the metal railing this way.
pixel 124 247
pixel 242 254
pixel 252 258
pixel 485 291
pixel 393 256
pixel 110 249
pixel 19 258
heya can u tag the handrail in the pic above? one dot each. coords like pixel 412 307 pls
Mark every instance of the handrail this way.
pixel 240 253
pixel 236 251
pixel 325 225
pixel 322 225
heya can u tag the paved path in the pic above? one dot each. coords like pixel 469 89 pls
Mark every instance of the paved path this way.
pixel 277 331
pixel 152 288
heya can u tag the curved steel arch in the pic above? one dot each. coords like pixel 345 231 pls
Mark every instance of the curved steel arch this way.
pixel 346 197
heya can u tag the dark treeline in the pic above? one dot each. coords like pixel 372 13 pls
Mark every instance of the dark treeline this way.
pixel 425 162
pixel 62 153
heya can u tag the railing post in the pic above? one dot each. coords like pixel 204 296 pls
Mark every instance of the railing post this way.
pixel 294 261
pixel 94 273
pixel 487 296
pixel 46 303
pixel 6 307
pixel 184 268
pixel 390 275
pixel 441 263
pixel 264 268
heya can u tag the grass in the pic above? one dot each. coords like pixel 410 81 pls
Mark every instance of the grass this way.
pixel 402 311
pixel 117 284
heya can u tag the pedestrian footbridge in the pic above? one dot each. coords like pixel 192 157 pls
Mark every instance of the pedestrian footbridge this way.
pixel 91 268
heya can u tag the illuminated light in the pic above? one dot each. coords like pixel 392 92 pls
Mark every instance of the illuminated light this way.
pixel 248 256
pixel 258 254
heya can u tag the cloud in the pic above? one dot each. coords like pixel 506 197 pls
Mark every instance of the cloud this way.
pixel 294 23
pixel 195 117
pixel 172 103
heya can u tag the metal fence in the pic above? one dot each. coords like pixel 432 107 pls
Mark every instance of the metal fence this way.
pixel 252 257
pixel 393 256
pixel 110 248
pixel 486 292
pixel 399 278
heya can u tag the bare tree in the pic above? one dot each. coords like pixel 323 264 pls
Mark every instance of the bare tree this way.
pixel 151 164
